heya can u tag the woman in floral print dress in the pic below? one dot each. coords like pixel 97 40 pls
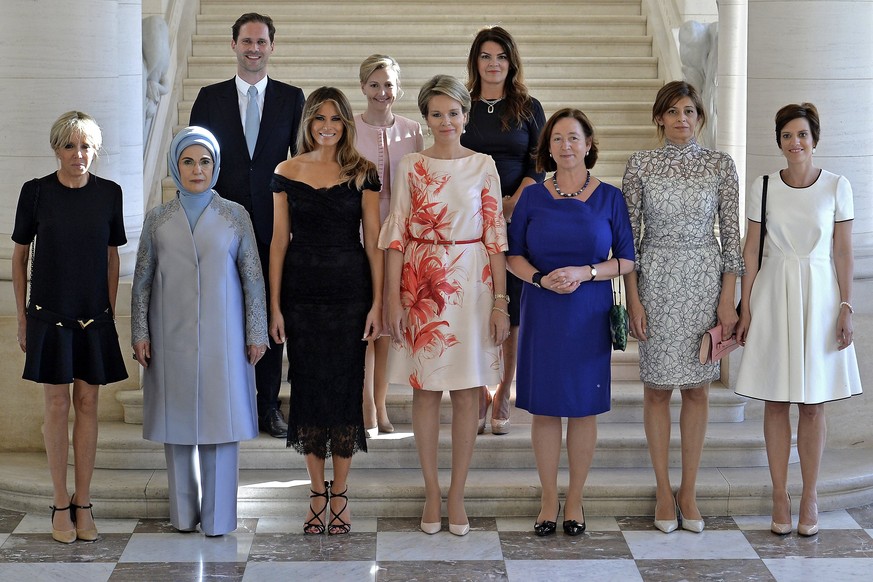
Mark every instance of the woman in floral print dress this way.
pixel 446 282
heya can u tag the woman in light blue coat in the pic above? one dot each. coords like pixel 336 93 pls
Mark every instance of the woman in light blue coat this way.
pixel 199 326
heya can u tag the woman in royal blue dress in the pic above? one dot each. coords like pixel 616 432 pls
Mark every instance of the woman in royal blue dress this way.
pixel 560 240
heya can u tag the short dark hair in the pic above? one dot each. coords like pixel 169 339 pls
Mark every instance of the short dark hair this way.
pixel 668 95
pixel 543 159
pixel 253 17
pixel 793 111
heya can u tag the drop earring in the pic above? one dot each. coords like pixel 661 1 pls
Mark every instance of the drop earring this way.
pixel 813 150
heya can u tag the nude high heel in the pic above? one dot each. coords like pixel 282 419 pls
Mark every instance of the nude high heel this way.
pixel 86 535
pixel 781 529
pixel 59 535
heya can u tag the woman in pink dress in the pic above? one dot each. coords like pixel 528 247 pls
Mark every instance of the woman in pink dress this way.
pixel 445 237
pixel 383 138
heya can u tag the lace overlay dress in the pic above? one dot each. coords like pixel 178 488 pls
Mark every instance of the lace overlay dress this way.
pixel 675 195
pixel 325 297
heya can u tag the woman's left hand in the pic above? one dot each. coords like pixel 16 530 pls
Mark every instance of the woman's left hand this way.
pixel 373 327
pixel 845 330
pixel 255 353
pixel 565 279
pixel 499 325
pixel 727 319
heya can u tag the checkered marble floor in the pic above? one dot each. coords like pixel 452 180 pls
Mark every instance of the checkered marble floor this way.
pixel 272 548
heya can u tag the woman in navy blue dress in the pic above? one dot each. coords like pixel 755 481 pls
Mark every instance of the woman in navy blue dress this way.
pixel 560 239
pixel 505 123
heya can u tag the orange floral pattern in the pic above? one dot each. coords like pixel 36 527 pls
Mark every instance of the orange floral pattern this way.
pixel 447 307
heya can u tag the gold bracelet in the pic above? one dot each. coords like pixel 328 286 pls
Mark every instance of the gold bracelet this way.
pixel 503 296
pixel 849 305
pixel 499 310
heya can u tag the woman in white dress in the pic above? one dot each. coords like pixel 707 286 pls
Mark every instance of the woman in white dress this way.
pixel 445 237
pixel 796 321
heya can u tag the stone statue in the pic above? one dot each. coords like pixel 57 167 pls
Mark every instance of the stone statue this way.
pixel 698 50
pixel 155 64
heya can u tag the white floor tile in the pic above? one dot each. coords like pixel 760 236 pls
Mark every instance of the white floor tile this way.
pixel 338 571
pixel 600 570
pixel 33 523
pixel 842 569
pixel 442 546
pixel 683 545
pixel 187 548
pixel 65 572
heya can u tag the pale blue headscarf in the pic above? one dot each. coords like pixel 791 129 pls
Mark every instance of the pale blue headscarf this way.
pixel 193 203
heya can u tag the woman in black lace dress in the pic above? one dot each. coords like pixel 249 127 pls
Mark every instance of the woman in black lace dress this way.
pixel 326 295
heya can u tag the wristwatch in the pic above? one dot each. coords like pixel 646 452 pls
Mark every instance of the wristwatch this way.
pixel 535 280
pixel 593 272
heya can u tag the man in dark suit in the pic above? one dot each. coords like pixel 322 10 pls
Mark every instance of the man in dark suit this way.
pixel 250 152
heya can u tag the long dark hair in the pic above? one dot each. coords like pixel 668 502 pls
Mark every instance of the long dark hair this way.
pixel 354 168
pixel 518 103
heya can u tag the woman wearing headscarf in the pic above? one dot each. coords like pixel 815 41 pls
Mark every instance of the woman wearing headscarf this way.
pixel 199 326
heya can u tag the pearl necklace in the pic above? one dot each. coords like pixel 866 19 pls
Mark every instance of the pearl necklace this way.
pixel 574 194
pixel 491 103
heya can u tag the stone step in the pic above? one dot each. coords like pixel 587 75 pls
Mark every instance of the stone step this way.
pixel 471 11
pixel 420 45
pixel 546 91
pixel 438 25
pixel 121 446
pixel 291 66
pixel 845 480
pixel 627 404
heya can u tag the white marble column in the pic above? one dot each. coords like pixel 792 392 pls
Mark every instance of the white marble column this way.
pixel 821 52
pixel 732 38
pixel 58 56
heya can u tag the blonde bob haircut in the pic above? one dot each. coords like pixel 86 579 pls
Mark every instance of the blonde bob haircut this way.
pixel 444 85
pixel 354 168
pixel 75 123
pixel 374 63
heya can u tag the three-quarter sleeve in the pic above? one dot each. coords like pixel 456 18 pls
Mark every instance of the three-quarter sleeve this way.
pixel 143 277
pixel 729 216
pixel 395 233
pixel 252 278
pixel 632 188
pixel 622 235
pixel 493 222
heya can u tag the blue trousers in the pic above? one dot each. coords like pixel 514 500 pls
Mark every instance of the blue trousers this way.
pixel 206 496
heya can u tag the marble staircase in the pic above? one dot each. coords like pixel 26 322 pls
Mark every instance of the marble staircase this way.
pixel 592 54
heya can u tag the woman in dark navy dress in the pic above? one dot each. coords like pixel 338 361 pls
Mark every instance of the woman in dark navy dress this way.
pixel 560 240
pixel 505 123
pixel 67 328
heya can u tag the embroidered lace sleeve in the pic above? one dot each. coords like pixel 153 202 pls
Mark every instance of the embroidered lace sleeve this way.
pixel 249 266
pixel 729 216
pixel 632 187
pixel 144 273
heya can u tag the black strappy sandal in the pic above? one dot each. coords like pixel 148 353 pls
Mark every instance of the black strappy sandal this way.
pixel 334 528
pixel 315 524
